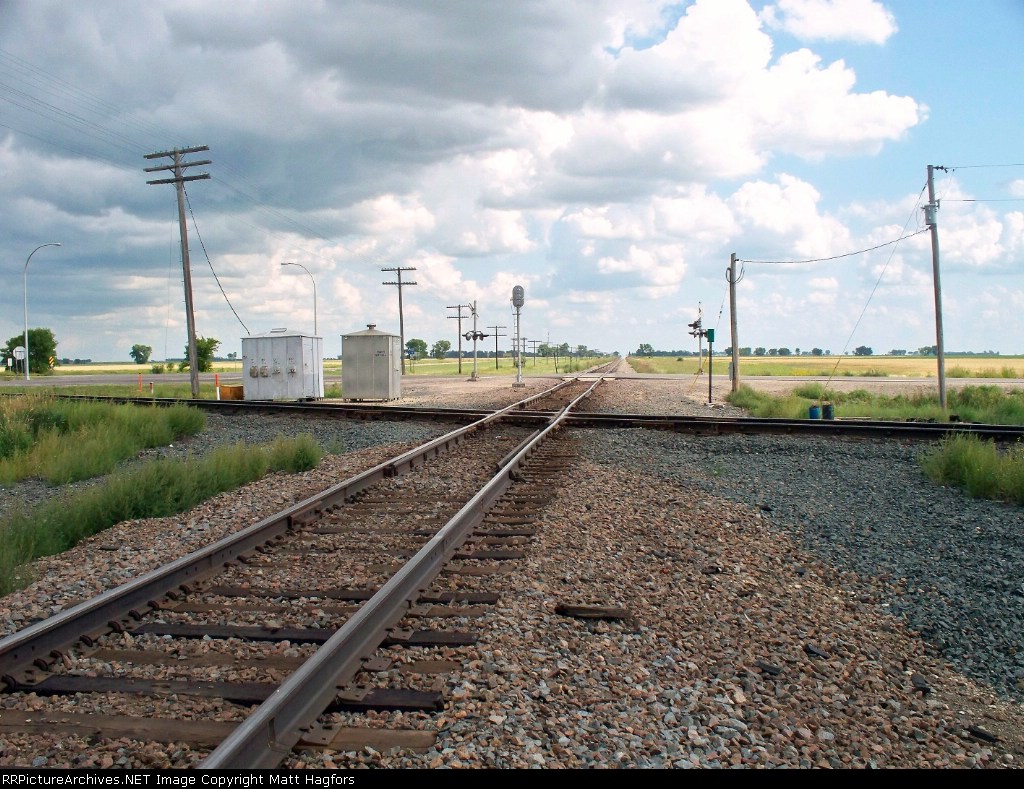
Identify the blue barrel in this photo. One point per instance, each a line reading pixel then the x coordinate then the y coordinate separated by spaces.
pixel 815 412
pixel 827 411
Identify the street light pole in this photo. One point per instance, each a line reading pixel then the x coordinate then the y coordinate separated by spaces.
pixel 25 284
pixel 315 333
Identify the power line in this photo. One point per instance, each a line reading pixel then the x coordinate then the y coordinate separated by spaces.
pixel 834 257
pixel 878 282
pixel 210 262
pixel 975 166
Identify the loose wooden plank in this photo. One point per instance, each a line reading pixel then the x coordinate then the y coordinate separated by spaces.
pixel 591 611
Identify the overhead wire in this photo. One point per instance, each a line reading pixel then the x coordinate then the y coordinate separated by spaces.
pixel 834 257
pixel 210 262
pixel 878 281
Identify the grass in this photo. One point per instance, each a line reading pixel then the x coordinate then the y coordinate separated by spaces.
pixel 985 404
pixel 64 441
pixel 978 466
pixel 158 489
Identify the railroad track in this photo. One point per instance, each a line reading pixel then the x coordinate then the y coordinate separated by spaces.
pixel 236 652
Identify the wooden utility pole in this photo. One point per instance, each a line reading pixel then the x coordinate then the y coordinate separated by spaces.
pixel 730 274
pixel 535 343
pixel 178 180
pixel 401 320
pixel 496 336
pixel 458 318
pixel 930 211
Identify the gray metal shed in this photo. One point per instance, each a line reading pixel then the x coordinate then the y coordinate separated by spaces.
pixel 282 365
pixel 371 365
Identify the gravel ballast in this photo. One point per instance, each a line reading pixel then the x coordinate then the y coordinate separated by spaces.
pixel 793 603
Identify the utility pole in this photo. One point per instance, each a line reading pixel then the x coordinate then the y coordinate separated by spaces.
pixel 401 320
pixel 496 336
pixel 458 318
pixel 930 211
pixel 730 275
pixel 179 181
pixel 535 343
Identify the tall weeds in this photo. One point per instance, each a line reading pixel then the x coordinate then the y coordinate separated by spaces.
pixel 158 489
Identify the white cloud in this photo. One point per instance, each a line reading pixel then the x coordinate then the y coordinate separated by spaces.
pixel 862 21
pixel 786 215
pixel 799 107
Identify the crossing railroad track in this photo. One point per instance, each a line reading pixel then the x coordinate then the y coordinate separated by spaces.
pixel 236 651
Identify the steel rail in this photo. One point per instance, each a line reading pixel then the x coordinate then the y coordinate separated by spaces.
pixel 839 427
pixel 113 608
pixel 267 736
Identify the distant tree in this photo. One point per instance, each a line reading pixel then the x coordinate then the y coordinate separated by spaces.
pixel 141 353
pixel 417 347
pixel 773 351
pixel 929 350
pixel 440 349
pixel 785 352
pixel 745 350
pixel 233 355
pixel 897 352
pixel 862 350
pixel 817 352
pixel 42 346
pixel 759 352
pixel 796 351
pixel 206 347
pixel 645 349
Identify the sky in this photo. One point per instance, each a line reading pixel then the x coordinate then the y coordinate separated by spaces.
pixel 609 156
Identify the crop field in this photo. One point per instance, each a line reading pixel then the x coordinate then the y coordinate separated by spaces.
pixel 842 366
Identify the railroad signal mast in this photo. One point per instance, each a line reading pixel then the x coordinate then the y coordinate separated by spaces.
pixel 518 300
pixel 695 331
pixel 474 335
pixel 700 333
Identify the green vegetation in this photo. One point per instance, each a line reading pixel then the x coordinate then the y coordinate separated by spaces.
pixel 42 347
pixel 157 489
pixel 982 404
pixel 64 441
pixel 206 347
pixel 977 466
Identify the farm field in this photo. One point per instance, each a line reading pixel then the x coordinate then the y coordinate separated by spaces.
pixel 841 366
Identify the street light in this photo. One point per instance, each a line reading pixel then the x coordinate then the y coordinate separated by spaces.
pixel 25 282
pixel 315 333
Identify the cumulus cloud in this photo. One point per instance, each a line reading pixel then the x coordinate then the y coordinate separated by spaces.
pixel 609 154
pixel 862 21
pixel 786 215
